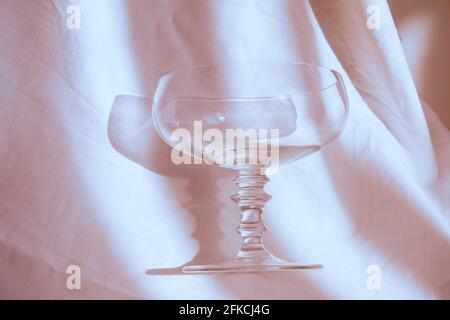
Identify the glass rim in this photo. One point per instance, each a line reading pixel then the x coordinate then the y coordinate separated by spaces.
pixel 337 77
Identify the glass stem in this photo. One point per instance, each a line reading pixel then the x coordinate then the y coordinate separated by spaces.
pixel 251 198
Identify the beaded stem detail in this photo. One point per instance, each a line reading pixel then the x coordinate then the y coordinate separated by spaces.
pixel 251 198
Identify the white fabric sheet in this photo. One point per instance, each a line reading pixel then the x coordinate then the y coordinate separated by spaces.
pixel 84 181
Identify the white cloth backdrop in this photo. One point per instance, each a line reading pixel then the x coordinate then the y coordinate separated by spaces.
pixel 84 182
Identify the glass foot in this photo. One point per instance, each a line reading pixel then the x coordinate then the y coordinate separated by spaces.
pixel 241 265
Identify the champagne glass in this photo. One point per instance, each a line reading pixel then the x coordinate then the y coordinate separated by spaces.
pixel 249 117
